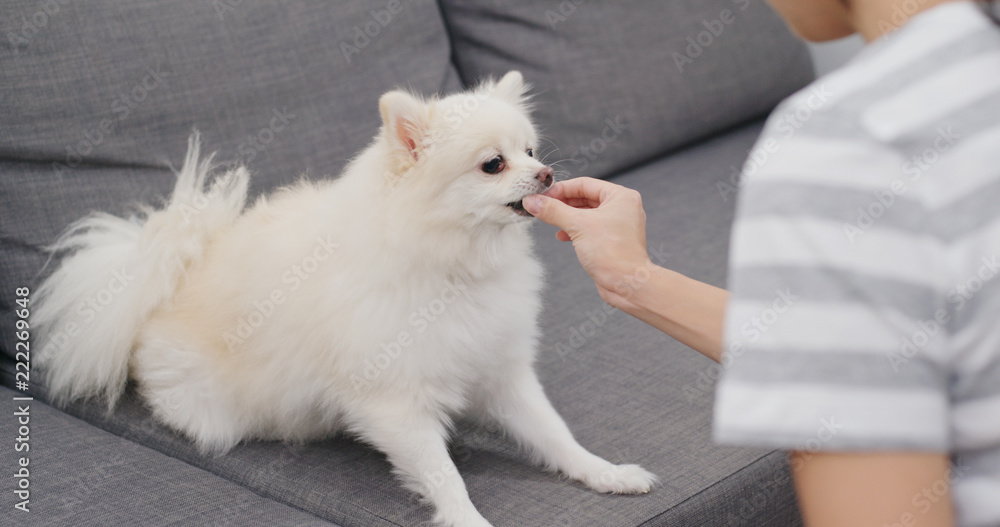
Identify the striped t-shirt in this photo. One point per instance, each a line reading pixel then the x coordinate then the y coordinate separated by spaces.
pixel 865 262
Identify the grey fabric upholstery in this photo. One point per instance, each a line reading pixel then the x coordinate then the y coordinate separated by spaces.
pixel 760 494
pixel 107 480
pixel 621 83
pixel 624 388
pixel 100 99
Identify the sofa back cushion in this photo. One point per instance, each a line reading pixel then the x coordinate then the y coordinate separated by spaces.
pixel 98 99
pixel 621 83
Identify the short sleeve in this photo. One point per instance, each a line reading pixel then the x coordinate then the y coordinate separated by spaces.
pixel 836 333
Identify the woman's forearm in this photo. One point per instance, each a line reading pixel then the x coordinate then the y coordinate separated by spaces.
pixel 688 310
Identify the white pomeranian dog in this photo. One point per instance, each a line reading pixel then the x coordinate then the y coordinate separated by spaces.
pixel 383 304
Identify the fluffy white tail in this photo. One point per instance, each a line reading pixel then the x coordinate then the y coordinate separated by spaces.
pixel 117 272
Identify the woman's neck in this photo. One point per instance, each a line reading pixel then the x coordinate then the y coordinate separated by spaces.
pixel 875 18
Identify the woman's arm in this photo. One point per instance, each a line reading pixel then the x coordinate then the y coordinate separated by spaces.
pixel 686 309
pixel 607 226
pixel 904 489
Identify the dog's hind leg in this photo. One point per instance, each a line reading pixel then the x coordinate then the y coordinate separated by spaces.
pixel 415 442
pixel 178 385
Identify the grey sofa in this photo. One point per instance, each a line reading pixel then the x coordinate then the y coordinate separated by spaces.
pixel 97 100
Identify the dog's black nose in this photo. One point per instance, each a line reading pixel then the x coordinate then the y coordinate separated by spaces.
pixel 545 176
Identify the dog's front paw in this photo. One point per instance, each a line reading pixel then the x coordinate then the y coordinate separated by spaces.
pixel 621 479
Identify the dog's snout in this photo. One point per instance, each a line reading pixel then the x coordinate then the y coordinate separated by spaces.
pixel 545 176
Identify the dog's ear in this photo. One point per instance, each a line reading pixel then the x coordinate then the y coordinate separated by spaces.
pixel 511 88
pixel 404 121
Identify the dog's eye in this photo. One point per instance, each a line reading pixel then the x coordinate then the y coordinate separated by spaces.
pixel 494 166
pixel 531 153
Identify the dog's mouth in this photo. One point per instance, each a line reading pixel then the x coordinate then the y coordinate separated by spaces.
pixel 518 208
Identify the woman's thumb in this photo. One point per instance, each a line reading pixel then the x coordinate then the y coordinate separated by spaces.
pixel 549 210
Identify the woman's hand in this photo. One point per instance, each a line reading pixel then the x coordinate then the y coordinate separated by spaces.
pixel 607 226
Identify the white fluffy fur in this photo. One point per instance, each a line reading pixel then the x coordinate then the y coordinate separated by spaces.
pixel 384 303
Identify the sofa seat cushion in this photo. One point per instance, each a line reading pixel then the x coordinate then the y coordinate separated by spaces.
pixel 83 476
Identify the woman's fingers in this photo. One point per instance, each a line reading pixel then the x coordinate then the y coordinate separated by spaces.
pixel 584 190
